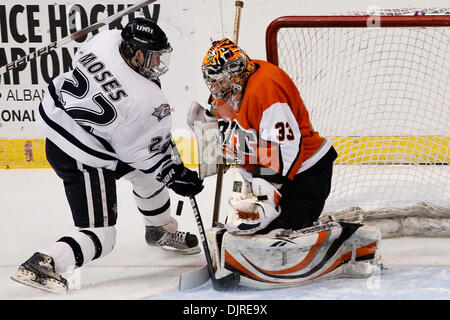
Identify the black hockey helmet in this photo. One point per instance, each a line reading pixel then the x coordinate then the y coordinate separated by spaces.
pixel 143 34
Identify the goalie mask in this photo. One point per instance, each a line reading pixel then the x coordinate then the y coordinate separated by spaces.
pixel 226 69
pixel 145 35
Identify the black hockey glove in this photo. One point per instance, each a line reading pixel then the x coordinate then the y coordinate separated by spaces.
pixel 180 179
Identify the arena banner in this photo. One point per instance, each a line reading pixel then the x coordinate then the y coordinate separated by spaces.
pixel 190 25
pixel 25 29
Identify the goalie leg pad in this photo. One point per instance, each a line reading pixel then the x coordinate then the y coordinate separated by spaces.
pixel 283 260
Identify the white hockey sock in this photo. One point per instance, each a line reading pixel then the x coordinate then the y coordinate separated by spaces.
pixel 81 247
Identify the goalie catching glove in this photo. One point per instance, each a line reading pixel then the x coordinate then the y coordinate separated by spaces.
pixel 254 211
pixel 180 179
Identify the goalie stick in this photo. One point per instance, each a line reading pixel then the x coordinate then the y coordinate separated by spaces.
pixel 189 280
pixel 220 166
pixel 230 281
pixel 25 59
pixel 196 278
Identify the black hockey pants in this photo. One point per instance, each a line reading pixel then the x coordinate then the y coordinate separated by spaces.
pixel 304 197
pixel 91 192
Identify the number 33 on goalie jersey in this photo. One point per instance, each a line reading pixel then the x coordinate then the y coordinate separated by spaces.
pixel 103 111
pixel 272 128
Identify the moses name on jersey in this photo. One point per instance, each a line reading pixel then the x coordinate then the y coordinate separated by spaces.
pixel 103 111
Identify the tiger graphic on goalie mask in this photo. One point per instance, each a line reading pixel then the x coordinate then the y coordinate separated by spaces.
pixel 226 68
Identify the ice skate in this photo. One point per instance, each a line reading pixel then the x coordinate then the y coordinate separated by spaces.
pixel 39 272
pixel 169 238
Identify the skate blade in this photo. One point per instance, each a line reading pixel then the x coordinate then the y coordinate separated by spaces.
pixel 51 285
pixel 187 251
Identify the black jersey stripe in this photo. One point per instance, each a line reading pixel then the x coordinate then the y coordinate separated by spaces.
pixel 71 138
pixel 156 166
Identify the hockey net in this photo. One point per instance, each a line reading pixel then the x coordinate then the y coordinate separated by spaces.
pixel 378 87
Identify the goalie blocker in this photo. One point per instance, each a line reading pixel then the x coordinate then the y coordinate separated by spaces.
pixel 284 258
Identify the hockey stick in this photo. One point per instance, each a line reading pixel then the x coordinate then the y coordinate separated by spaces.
pixel 33 55
pixel 196 278
pixel 230 281
pixel 220 166
pixel 237 20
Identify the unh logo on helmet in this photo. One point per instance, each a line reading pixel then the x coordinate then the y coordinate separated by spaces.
pixel 146 29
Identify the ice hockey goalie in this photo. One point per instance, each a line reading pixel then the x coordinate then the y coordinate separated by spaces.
pixel 284 258
pixel 284 178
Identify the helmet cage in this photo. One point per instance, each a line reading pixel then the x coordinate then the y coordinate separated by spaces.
pixel 225 81
pixel 156 63
pixel 145 35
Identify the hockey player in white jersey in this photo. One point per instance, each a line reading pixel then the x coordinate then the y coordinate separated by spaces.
pixel 108 119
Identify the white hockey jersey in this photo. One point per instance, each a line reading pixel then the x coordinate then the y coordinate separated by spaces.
pixel 103 111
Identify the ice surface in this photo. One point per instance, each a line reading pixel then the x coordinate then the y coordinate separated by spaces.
pixel 397 283
pixel 34 213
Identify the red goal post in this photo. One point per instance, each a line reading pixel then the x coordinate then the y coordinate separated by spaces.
pixel 379 88
pixel 345 22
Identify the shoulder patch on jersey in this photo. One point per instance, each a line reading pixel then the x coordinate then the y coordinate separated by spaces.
pixel 162 111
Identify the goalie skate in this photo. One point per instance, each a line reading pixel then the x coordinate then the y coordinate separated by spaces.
pixel 288 258
pixel 39 272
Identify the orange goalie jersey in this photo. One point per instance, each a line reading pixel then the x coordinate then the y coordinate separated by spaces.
pixel 272 129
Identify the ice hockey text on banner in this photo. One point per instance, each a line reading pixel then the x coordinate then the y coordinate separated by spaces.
pixel 33 28
pixel 25 27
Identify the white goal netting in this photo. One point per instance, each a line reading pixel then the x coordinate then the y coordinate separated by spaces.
pixel 378 87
